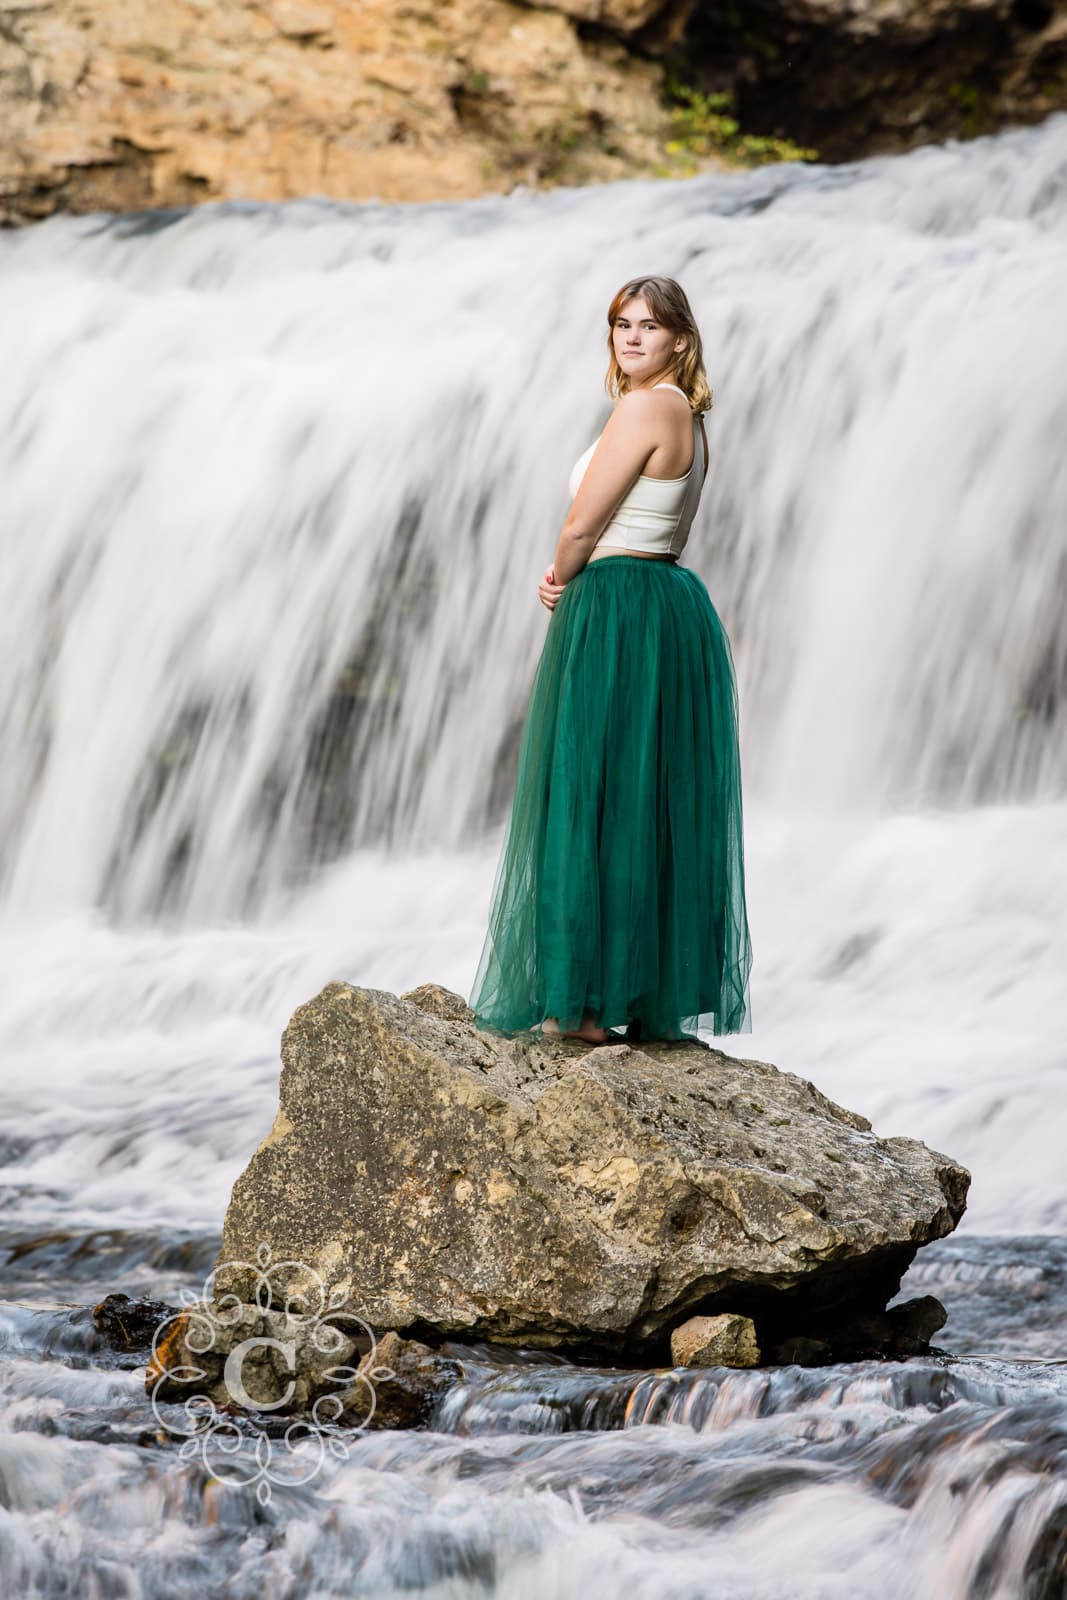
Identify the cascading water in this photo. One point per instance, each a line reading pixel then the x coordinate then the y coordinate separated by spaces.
pixel 278 486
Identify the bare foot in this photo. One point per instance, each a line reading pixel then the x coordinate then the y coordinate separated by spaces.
pixel 588 1030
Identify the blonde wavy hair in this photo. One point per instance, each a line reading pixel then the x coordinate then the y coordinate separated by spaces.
pixel 668 303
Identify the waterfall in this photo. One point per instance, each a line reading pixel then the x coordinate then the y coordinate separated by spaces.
pixel 279 483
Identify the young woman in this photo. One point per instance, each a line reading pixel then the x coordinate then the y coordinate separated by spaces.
pixel 619 897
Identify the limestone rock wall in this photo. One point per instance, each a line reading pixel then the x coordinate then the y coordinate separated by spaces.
pixel 123 104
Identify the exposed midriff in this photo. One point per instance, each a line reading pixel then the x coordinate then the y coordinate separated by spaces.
pixel 599 552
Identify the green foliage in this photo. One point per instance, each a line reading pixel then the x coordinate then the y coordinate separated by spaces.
pixel 704 125
pixel 975 113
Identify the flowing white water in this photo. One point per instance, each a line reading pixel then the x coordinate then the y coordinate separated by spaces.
pixel 278 485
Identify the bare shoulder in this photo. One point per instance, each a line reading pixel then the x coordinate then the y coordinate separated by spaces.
pixel 651 401
pixel 633 412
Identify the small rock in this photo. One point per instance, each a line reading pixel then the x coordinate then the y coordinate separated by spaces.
pixel 914 1322
pixel 398 1384
pixel 861 1334
pixel 127 1324
pixel 726 1341
pixel 438 1001
pixel 256 1359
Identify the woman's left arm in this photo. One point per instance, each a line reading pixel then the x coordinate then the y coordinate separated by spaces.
pixel 629 438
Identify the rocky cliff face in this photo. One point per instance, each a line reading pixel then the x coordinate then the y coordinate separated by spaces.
pixel 858 76
pixel 125 104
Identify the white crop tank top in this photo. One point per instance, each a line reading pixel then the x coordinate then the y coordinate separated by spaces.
pixel 657 513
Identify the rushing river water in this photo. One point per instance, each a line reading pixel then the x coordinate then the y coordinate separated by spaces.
pixel 278 484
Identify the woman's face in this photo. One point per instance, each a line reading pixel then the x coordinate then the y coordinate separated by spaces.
pixel 644 348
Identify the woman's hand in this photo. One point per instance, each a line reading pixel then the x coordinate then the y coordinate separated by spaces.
pixel 548 589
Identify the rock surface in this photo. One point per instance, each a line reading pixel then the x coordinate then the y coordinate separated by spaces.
pixel 125 104
pixel 445 1181
pixel 398 1384
pixel 128 104
pixel 858 76
pixel 129 1325
pixel 252 1360
pixel 725 1341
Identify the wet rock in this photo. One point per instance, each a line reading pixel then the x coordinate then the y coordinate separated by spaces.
pixel 398 1384
pixel 448 1182
pixel 725 1341
pixel 128 1325
pixel 904 1330
pixel 914 1323
pixel 247 1359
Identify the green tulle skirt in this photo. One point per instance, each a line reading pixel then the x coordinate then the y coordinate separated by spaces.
pixel 620 885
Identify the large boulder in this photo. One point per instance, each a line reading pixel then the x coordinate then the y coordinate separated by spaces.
pixel 445 1181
